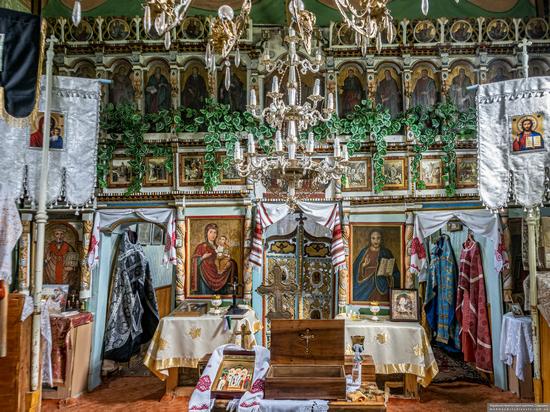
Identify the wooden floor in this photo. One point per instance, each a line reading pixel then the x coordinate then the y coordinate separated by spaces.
pixel 136 394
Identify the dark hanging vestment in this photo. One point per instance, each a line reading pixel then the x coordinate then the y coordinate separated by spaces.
pixel 20 47
pixel 471 309
pixel 133 312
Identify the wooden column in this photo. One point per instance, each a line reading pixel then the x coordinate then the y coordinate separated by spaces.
pixel 25 254
pixel 180 252
pixel 409 232
pixel 532 219
pixel 247 273
pixel 343 275
pixel 85 273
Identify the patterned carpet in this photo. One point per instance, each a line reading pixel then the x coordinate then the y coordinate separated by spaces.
pixel 453 368
pixel 143 394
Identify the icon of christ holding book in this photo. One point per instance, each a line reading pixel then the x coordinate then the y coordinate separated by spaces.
pixel 374 271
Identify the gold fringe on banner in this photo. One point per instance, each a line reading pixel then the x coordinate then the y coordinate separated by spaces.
pixel 21 122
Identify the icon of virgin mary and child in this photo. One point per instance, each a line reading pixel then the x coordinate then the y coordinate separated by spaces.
pixel 374 271
pixel 212 266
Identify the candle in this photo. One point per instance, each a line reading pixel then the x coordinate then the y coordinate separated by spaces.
pixel 251 145
pixel 317 87
pixel 252 97
pixel 337 147
pixel 237 153
pixel 330 101
pixel 275 85
pixel 292 96
pixel 310 142
pixel 291 75
pixel 345 154
pixel 292 151
pixel 278 141
pixel 291 32
pixel 266 54
pixel 292 131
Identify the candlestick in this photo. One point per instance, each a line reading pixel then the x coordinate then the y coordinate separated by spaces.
pixel 278 141
pixel 275 84
pixel 252 97
pixel 317 87
pixel 251 145
pixel 292 151
pixel 337 153
pixel 310 142
pixel 330 101
pixel 237 153
pixel 292 96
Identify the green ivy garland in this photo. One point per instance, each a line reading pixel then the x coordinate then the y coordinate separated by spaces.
pixel 125 126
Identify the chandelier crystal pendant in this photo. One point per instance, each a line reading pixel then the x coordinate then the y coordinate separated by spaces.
pixel 163 16
pixel 368 21
pixel 292 171
pixel 225 32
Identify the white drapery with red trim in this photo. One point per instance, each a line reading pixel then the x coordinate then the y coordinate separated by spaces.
pixel 105 218
pixel 481 222
pixel 324 214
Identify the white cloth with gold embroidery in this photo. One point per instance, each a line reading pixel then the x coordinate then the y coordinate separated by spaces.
pixel 395 347
pixel 183 341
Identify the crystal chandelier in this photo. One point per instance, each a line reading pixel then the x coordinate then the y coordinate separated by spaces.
pixel 164 15
pixel 368 21
pixel 225 31
pixel 292 171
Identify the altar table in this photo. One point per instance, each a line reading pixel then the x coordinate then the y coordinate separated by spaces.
pixel 183 341
pixel 396 347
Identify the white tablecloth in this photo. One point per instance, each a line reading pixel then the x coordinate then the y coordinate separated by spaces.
pixel 516 340
pixel 396 347
pixel 183 341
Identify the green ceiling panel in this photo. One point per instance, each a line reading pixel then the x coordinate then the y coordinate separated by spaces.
pixel 273 11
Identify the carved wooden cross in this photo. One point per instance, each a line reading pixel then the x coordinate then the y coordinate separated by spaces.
pixel 279 288
pixel 244 333
pixel 307 336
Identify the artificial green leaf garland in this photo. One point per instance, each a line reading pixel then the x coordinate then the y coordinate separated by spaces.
pixel 124 126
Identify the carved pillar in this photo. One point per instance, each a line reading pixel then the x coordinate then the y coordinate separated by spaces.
pixel 25 254
pixel 180 251
pixel 404 23
pixel 507 278
pixel 247 273
pixel 409 231
pixel 137 82
pixel 442 23
pixel 480 21
pixel 483 67
pixel 343 275
pixel 85 273
pixel 444 75
pixel 174 76
pixel 371 78
pixel 407 83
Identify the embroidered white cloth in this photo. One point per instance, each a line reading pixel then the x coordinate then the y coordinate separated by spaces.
pixel 516 340
pixel 395 347
pixel 10 231
pixel 46 332
pixel 324 214
pixel 513 154
pixel 200 398
pixel 73 157
pixel 183 341
pixel 268 405
pixel 481 222
pixel 105 218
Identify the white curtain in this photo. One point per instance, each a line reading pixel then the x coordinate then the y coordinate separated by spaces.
pixel 107 217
